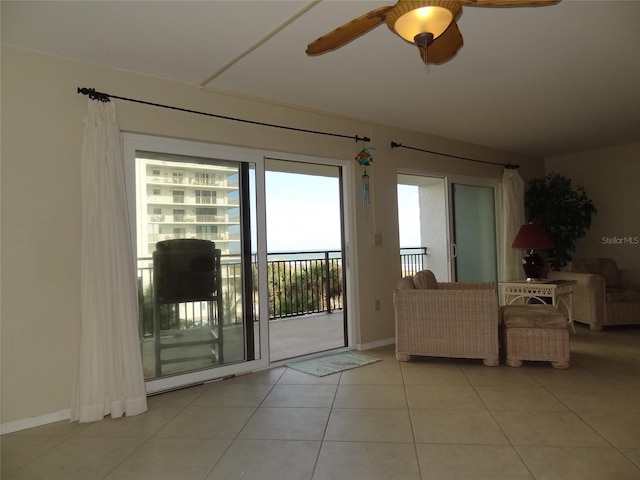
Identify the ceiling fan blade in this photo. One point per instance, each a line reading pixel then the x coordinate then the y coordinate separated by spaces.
pixel 508 3
pixel 349 31
pixel 444 47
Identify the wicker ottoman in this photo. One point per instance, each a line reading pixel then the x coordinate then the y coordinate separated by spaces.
pixel 535 332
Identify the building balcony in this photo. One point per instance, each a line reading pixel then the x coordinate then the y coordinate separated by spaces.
pixel 305 309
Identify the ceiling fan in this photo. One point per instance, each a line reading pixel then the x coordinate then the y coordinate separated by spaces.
pixel 428 24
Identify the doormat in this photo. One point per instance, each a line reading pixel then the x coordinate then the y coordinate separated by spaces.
pixel 335 363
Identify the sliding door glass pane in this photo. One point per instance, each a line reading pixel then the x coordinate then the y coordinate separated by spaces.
pixel 198 309
pixel 475 233
pixel 307 294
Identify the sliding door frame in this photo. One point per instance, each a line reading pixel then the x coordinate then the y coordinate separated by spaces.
pixel 244 156
pixel 347 206
pixel 133 142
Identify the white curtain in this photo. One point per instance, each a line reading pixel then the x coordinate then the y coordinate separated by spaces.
pixel 512 220
pixel 109 377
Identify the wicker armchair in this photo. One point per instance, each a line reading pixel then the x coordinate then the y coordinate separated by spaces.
pixel 604 295
pixel 456 320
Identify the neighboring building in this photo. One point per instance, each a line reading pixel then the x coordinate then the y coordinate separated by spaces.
pixel 186 199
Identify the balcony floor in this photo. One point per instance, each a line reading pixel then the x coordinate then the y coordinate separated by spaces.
pixel 288 338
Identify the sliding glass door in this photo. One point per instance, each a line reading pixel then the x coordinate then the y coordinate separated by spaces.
pixel 197 260
pixel 306 238
pixel 454 222
pixel 474 233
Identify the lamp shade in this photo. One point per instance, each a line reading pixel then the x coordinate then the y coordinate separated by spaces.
pixel 411 18
pixel 532 236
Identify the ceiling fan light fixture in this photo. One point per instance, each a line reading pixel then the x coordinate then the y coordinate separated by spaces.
pixel 434 20
pixel 409 19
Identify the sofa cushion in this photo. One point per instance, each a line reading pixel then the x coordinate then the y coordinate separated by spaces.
pixel 602 266
pixel 533 316
pixel 425 280
pixel 617 295
pixel 579 266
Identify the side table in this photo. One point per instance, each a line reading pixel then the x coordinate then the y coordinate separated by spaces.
pixel 523 291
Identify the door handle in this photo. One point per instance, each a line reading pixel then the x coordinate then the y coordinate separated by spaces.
pixel 454 250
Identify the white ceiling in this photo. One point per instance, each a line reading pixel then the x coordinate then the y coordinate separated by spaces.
pixel 538 81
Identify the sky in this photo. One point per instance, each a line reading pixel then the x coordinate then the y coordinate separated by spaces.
pixel 409 216
pixel 303 213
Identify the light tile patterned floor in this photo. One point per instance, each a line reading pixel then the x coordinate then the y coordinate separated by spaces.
pixel 429 419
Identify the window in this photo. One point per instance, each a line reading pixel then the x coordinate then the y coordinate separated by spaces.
pixel 207 229
pixel 153 232
pixel 204 178
pixel 178 177
pixel 205 196
pixel 156 191
pixel 178 196
pixel 179 233
pixel 204 214
pixel 157 211
pixel 178 215
pixel 208 232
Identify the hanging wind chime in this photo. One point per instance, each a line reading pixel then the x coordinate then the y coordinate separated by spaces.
pixel 365 158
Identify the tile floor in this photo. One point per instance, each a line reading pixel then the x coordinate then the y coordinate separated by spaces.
pixel 428 419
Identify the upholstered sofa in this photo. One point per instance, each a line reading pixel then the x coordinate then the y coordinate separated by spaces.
pixel 439 319
pixel 604 295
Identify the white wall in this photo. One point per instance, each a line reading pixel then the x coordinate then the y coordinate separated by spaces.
pixel 41 219
pixel 433 228
pixel 611 179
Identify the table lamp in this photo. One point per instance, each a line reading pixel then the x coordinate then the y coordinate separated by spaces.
pixel 532 236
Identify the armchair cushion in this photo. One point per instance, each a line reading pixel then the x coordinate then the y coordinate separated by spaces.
pixel 533 316
pixel 425 280
pixel 406 283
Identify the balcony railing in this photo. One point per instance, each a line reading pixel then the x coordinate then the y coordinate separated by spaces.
pixel 299 283
pixel 412 260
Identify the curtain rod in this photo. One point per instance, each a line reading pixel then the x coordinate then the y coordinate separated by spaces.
pixel 505 165
pixel 106 97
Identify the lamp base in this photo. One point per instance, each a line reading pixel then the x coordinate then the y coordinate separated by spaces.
pixel 532 263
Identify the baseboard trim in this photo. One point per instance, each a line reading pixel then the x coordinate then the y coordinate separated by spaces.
pixel 40 420
pixel 376 344
pixel 31 422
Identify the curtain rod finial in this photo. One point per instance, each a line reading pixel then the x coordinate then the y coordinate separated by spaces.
pixel 93 95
